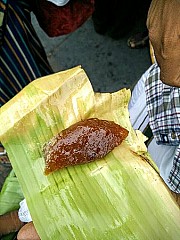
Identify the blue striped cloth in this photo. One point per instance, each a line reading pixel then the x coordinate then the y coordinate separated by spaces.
pixel 22 56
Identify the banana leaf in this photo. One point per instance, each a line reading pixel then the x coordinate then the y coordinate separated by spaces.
pixel 118 197
pixel 11 194
pixel 10 197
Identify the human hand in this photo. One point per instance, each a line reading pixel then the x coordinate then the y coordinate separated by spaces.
pixel 28 232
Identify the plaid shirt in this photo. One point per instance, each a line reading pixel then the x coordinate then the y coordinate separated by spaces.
pixel 163 104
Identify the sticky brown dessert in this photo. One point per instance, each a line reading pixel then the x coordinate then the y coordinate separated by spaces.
pixel 82 142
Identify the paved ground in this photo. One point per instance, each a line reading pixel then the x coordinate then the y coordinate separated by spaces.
pixel 110 64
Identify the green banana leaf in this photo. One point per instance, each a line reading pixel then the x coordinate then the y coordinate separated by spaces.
pixel 10 197
pixel 118 197
pixel 11 194
pixel 10 236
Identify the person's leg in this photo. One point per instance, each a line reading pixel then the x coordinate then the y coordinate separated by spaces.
pixel 141 38
pixel 22 57
pixel 114 18
pixel 101 16
pixel 123 18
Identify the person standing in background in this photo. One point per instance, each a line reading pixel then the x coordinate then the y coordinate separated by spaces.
pixel 22 56
pixel 155 101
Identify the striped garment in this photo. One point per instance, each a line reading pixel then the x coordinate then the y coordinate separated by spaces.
pixel 22 57
pixel 157 105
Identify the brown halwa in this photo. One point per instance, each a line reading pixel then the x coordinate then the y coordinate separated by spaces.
pixel 82 142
